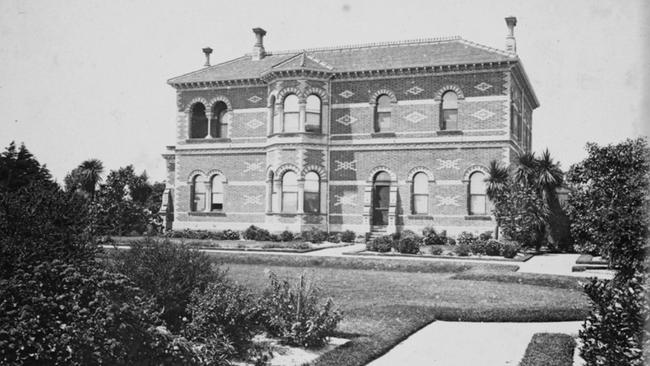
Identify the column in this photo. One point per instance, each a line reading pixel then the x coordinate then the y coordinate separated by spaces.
pixel 301 196
pixel 269 195
pixel 277 187
pixel 269 118
pixel 325 119
pixel 302 116
pixel 208 195
pixel 324 208
pixel 208 114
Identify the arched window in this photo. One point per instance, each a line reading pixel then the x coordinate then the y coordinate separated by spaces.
pixel 420 193
pixel 272 192
pixel 291 113
pixel 312 193
pixel 219 124
pixel 313 122
pixel 198 122
pixel 198 194
pixel 449 111
pixel 289 192
pixel 382 114
pixel 274 117
pixel 217 193
pixel 477 199
pixel 380 198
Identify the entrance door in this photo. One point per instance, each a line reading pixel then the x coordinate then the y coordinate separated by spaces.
pixel 380 199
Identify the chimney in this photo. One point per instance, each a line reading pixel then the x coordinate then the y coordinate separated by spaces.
pixel 511 43
pixel 258 47
pixel 207 51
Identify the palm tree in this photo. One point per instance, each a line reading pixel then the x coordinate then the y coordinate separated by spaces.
pixel 549 178
pixel 526 171
pixel 497 182
pixel 89 173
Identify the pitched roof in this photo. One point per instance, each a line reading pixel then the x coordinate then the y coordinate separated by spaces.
pixel 375 56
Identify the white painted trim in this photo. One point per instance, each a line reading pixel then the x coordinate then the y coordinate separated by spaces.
pixel 250 110
pixel 418 102
pixel 350 105
pixel 347 182
pixel 419 140
pixel 487 98
pixel 246 183
pixel 449 182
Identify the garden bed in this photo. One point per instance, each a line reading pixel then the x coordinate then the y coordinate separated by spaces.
pixel 521 257
pixel 589 259
pixel 549 349
pixel 238 245
pixel 283 355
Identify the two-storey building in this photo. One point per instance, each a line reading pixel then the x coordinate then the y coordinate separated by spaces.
pixel 384 136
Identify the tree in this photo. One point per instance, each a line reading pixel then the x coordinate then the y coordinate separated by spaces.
pixel 497 183
pixel 18 168
pixel 85 178
pixel 549 177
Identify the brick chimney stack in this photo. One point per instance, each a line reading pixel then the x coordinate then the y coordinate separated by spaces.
pixel 207 51
pixel 258 47
pixel 511 43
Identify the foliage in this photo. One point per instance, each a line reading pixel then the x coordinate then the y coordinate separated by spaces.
pixel 60 313
pixel 348 236
pixel 614 333
pixel 382 244
pixel 286 235
pixel 485 236
pixel 609 203
pixel 19 168
pixel 431 237
pixel 522 215
pixel 169 273
pixel 466 238
pixel 451 241
pixel 493 247
pixel 509 249
pixel 549 349
pixel 85 178
pixel 256 233
pixel 436 250
pixel 409 245
pixel 295 313
pixel 334 237
pixel 462 250
pixel 314 235
pixel 477 247
pixel 227 312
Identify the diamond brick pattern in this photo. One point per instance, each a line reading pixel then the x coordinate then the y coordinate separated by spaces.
pixel 254 124
pixel 448 164
pixel 415 117
pixel 346 120
pixel 253 199
pixel 346 94
pixel 254 99
pixel 483 86
pixel 415 90
pixel 483 114
pixel 345 199
pixel 345 165
pixel 448 201
pixel 253 167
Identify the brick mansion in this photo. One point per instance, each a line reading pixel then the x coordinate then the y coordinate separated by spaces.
pixel 374 137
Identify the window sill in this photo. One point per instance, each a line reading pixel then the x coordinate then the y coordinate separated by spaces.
pixel 420 217
pixel 293 214
pixel 382 134
pixel 450 132
pixel 204 140
pixel 295 134
pixel 479 217
pixel 212 213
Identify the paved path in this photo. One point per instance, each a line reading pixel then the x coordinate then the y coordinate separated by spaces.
pixel 463 343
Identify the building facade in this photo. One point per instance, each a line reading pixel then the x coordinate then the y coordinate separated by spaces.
pixel 378 137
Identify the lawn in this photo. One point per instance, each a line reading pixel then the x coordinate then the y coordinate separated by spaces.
pixel 382 307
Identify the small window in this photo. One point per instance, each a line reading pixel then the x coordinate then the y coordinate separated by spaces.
pixel 449 111
pixel 291 114
pixel 313 109
pixel 312 193
pixel 219 123
pixel 420 194
pixel 198 122
pixel 477 198
pixel 289 192
pixel 198 193
pixel 382 114
pixel 217 193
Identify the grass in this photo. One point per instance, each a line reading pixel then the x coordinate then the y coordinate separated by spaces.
pixel 383 307
pixel 565 282
pixel 549 349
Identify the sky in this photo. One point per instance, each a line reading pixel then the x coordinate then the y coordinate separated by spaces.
pixel 83 79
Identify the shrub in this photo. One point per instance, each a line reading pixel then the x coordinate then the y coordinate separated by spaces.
pixel 295 313
pixel 255 233
pixel 230 235
pixel 227 311
pixel 169 273
pixel 334 238
pixel 314 235
pixel 613 333
pixel 451 241
pixel 509 249
pixel 436 250
pixel 53 313
pixel 462 250
pixel 433 238
pixel 286 235
pixel 382 244
pixel 348 236
pixel 465 238
pixel 494 248
pixel 485 236
pixel 478 247
pixel 408 245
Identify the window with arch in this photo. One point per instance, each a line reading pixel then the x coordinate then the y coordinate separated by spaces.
pixel 219 124
pixel 420 194
pixel 382 113
pixel 478 201
pixel 217 193
pixel 312 193
pixel 291 114
pixel 274 117
pixel 290 192
pixel 449 111
pixel 272 192
pixel 198 122
pixel 198 193
pixel 313 109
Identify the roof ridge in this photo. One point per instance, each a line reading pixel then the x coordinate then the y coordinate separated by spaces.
pixel 369 45
pixel 286 61
pixel 488 48
pixel 205 68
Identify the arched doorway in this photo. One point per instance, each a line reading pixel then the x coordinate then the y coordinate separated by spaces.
pixel 380 199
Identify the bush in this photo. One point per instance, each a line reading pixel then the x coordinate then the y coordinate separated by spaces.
pixel 203 234
pixel 478 247
pixel 334 238
pixel 509 250
pixel 614 333
pixel 462 250
pixel 286 235
pixel 230 235
pixel 465 238
pixel 314 235
pixel 53 313
pixel 169 273
pixel 382 244
pixel 255 233
pixel 485 236
pixel 433 238
pixel 408 245
pixel 451 241
pixel 436 250
pixel 494 248
pixel 227 311
pixel 294 313
pixel 348 236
